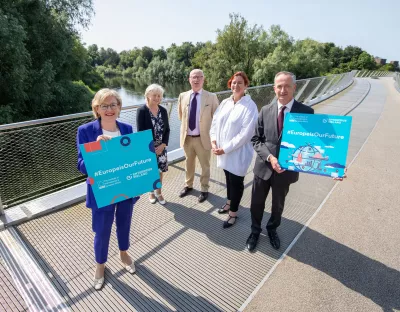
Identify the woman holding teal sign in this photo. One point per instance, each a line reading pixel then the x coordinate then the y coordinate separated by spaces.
pixel 154 117
pixel 106 106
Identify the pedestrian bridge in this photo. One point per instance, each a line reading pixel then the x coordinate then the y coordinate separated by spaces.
pixel 339 240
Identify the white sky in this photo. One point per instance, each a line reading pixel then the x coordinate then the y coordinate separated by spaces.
pixel 123 24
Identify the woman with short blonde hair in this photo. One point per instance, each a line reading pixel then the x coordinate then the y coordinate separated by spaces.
pixel 99 98
pixel 106 106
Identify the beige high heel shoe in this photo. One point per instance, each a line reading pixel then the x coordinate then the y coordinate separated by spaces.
pixel 152 200
pixel 162 202
pixel 130 268
pixel 98 283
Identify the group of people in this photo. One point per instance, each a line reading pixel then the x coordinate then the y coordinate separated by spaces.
pixel 232 131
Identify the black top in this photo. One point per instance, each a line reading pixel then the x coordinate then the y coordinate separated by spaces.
pixel 143 121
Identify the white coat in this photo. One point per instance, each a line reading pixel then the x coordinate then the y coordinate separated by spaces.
pixel 232 128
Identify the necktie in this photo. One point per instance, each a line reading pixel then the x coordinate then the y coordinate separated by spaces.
pixel 193 111
pixel 281 117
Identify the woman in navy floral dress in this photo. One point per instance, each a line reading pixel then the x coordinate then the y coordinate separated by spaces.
pixel 155 117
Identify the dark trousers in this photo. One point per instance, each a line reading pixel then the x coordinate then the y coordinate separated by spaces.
pixel 234 189
pixel 259 195
pixel 102 221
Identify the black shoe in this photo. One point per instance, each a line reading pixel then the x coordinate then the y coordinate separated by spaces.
pixel 229 224
pixel 274 239
pixel 185 191
pixel 203 196
pixel 252 241
pixel 223 210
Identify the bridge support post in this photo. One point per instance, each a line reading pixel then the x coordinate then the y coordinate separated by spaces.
pixel 1 208
pixel 327 86
pixel 310 97
pixel 298 95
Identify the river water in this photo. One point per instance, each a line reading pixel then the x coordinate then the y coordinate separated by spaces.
pixel 132 92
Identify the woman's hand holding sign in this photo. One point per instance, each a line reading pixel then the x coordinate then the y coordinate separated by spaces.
pixel 103 137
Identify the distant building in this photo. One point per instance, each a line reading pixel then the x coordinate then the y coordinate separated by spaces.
pixel 395 64
pixel 380 61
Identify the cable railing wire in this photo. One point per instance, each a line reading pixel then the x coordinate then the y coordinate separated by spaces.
pixel 38 157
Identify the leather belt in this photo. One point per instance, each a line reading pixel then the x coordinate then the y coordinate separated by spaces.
pixel 194 136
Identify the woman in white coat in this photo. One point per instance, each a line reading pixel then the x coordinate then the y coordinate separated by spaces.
pixel 231 131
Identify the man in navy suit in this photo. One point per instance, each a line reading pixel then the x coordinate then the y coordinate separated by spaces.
pixel 267 172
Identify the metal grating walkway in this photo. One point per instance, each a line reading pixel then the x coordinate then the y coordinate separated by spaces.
pixel 185 260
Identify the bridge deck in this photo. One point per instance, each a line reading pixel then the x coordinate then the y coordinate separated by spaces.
pixel 185 260
pixel 348 258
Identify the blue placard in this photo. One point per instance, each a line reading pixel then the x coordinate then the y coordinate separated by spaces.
pixel 121 168
pixel 315 144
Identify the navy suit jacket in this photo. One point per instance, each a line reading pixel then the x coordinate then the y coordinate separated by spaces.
pixel 89 133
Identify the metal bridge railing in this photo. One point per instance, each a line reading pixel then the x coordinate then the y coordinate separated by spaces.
pixel 39 157
pixel 373 73
pixel 397 81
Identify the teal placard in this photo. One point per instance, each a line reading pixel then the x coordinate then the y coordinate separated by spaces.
pixel 121 168
pixel 315 143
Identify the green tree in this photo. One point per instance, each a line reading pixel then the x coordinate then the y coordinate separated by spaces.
pixel 203 55
pixel 183 53
pixel 278 60
pixel 127 58
pixel 237 47
pixel 140 62
pixel 15 62
pixel 74 13
pixel 273 38
pixel 333 53
pixel 305 58
pixel 112 58
pixel 308 59
pixel 93 52
pixel 40 54
pixel 147 54
pixel 164 70
pixel 366 61
pixel 238 43
pixel 160 53
pixel 387 67
pixel 351 53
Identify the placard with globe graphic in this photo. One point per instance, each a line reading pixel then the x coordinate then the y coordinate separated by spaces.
pixel 121 168
pixel 315 143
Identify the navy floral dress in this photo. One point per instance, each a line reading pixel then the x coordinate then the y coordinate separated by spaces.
pixel 158 126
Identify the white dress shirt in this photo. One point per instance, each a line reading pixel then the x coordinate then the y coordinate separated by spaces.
pixel 288 107
pixel 232 128
pixel 112 134
pixel 195 131
pixel 287 110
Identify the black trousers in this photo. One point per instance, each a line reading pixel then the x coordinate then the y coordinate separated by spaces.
pixel 259 195
pixel 234 189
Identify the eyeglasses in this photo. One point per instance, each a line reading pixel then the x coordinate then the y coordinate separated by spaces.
pixel 113 106
pixel 196 77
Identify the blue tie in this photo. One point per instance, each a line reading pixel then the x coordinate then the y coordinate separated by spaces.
pixel 193 111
